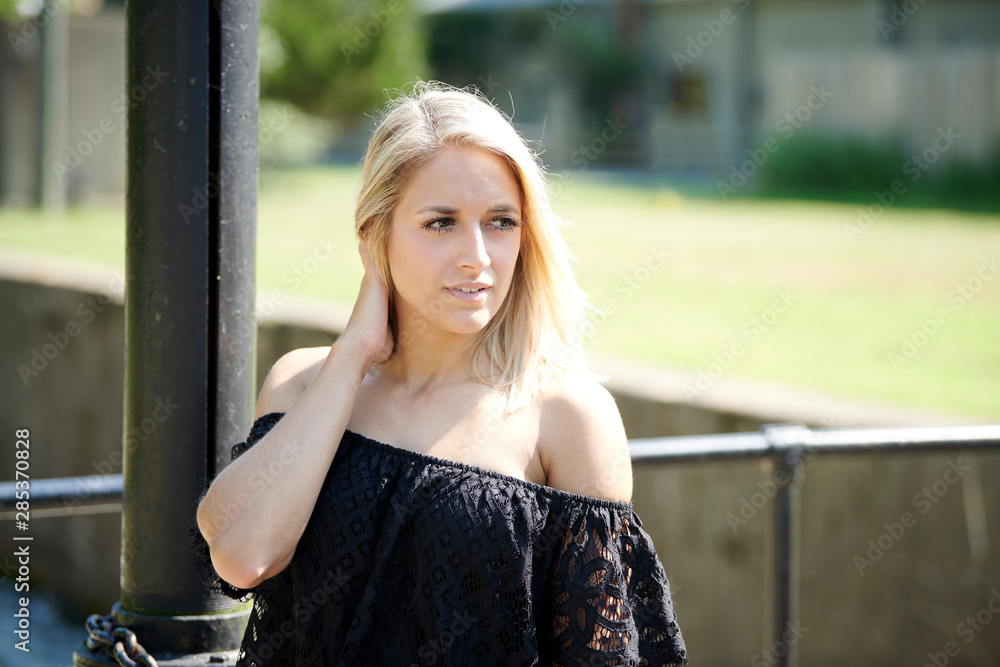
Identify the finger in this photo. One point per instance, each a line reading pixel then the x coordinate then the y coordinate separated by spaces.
pixel 370 269
pixel 366 259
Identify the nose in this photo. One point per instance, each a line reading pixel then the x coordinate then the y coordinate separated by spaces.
pixel 472 252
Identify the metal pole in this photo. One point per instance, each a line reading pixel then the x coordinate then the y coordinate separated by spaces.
pixel 189 304
pixel 235 154
pixel 53 126
pixel 787 441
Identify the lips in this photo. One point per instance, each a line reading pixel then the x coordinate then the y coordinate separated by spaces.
pixel 470 292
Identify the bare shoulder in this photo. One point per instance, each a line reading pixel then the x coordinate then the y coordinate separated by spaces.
pixel 582 441
pixel 288 378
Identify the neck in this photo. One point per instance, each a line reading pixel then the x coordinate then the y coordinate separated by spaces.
pixel 427 357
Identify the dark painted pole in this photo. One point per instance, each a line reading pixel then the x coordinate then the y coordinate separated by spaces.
pixel 787 442
pixel 192 85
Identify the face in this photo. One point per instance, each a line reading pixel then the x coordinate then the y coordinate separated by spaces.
pixel 454 241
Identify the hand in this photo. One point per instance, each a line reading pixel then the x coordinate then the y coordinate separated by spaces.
pixel 368 327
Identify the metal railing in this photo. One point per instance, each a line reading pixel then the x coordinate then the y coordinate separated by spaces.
pixel 787 445
pixel 64 496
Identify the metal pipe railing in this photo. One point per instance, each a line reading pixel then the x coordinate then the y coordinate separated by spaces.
pixel 788 445
pixel 868 440
pixel 64 496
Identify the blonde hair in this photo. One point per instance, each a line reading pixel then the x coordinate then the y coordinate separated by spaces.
pixel 541 324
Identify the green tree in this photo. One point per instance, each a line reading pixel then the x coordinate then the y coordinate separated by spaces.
pixel 333 58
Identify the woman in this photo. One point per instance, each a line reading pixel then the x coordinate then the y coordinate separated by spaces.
pixel 443 484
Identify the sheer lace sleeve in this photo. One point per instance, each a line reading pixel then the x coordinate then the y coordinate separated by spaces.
pixel 197 541
pixel 608 597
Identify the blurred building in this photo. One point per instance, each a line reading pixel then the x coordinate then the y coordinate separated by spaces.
pixel 719 77
pixel 92 163
pixel 711 81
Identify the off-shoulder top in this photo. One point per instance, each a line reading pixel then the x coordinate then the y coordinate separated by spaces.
pixel 410 559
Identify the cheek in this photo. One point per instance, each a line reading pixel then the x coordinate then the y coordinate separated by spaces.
pixel 507 252
pixel 411 266
pixel 399 256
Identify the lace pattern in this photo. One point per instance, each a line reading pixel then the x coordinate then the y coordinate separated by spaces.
pixel 412 560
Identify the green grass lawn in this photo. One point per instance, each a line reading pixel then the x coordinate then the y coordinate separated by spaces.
pixel 848 303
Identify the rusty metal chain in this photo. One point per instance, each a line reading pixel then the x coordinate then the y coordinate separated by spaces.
pixel 117 642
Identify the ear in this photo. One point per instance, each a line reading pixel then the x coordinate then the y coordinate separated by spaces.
pixel 364 231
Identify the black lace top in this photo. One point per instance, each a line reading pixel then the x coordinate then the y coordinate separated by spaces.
pixel 409 559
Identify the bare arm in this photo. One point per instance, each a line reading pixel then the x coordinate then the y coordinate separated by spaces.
pixel 257 508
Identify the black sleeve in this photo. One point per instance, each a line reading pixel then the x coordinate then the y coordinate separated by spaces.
pixel 609 598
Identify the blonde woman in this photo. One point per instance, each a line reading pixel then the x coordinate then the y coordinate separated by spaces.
pixel 444 484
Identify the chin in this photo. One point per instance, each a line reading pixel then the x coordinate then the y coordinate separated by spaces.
pixel 465 320
pixel 469 325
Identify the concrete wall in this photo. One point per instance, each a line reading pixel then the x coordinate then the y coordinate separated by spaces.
pixel 711 523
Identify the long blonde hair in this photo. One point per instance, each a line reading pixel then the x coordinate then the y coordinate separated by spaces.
pixel 542 323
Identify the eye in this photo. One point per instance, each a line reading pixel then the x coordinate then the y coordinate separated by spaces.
pixel 505 223
pixel 439 224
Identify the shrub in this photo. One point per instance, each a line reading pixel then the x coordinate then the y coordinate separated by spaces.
pixel 853 169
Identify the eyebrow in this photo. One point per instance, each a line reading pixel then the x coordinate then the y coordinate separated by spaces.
pixel 499 207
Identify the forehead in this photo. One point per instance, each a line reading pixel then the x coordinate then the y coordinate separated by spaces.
pixel 462 178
